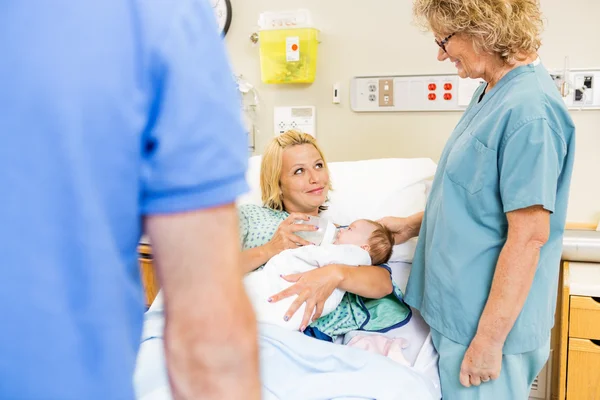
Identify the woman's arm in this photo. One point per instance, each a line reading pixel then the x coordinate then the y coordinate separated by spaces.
pixel 528 231
pixel 368 281
pixel 254 258
pixel 314 287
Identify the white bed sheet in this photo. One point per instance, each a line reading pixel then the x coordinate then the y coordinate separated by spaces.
pixel 420 353
pixel 417 330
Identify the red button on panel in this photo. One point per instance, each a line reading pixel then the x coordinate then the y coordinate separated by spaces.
pixel 432 86
pixel 447 86
pixel 431 96
pixel 447 96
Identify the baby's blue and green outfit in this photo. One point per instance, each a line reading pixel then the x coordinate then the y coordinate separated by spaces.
pixel 511 150
pixel 257 227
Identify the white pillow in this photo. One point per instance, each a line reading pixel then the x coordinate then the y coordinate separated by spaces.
pixel 404 252
pixel 374 189
pixel 370 189
pixel 377 188
pixel 253 180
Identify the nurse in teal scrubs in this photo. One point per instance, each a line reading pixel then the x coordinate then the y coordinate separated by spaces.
pixel 485 271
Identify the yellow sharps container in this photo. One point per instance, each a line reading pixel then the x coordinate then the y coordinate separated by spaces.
pixel 288 47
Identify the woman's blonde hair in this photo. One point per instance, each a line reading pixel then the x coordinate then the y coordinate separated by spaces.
pixel 509 28
pixel 271 166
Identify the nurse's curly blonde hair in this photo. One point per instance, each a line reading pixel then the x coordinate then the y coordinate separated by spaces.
pixel 509 28
pixel 271 165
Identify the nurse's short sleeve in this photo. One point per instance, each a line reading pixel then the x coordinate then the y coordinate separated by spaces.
pixel 195 147
pixel 530 161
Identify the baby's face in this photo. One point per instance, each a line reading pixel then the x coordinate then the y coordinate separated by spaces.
pixel 358 233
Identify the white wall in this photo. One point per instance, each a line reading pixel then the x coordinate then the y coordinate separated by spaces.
pixel 378 38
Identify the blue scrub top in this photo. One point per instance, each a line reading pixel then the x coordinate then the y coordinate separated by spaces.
pixel 512 150
pixel 111 110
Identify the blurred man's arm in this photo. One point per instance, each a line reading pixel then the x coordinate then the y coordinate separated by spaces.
pixel 210 331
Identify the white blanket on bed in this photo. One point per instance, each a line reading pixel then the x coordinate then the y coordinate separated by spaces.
pixel 296 367
pixel 354 372
pixel 266 282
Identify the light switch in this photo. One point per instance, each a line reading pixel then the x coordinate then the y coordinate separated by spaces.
pixel 336 93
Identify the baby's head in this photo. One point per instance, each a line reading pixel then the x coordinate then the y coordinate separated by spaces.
pixel 371 236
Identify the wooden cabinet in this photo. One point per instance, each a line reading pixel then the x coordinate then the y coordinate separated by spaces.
pixel 583 372
pixel 584 317
pixel 579 361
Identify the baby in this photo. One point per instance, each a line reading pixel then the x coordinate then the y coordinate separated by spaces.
pixel 363 242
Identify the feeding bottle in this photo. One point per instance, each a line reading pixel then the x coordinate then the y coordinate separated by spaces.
pixel 326 234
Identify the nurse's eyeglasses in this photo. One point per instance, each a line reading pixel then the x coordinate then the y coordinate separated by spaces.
pixel 444 42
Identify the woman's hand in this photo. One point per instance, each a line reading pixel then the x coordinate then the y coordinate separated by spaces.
pixel 482 362
pixel 313 288
pixel 285 237
pixel 403 228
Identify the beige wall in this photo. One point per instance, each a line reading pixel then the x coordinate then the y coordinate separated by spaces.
pixel 377 37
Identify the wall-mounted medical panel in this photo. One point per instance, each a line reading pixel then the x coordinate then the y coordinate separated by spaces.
pixel 295 118
pixel 411 93
pixel 580 90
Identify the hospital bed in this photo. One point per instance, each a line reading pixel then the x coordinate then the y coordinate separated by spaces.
pixel 362 189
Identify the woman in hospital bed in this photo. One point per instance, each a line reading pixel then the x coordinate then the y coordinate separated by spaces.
pixel 294 181
pixel 363 242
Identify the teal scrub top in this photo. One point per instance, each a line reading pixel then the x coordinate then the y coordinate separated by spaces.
pixel 511 150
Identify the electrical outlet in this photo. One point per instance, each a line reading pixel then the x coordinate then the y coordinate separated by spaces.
pixel 408 93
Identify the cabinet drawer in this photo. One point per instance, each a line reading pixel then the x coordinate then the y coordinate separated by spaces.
pixel 584 317
pixel 583 376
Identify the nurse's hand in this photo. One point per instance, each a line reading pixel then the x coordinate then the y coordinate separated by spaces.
pixel 313 288
pixel 403 228
pixel 482 362
pixel 285 236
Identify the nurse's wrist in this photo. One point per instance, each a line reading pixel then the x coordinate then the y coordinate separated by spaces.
pixel 414 224
pixel 490 336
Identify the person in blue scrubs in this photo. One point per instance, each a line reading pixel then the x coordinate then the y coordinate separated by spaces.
pixel 117 114
pixel 485 271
